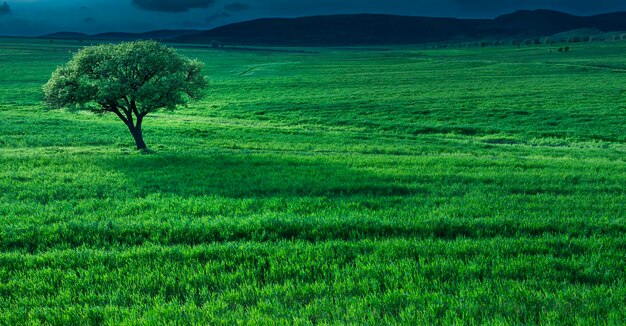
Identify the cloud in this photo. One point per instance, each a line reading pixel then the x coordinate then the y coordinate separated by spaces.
pixel 209 20
pixel 172 5
pixel 236 6
pixel 213 18
pixel 89 20
pixel 5 9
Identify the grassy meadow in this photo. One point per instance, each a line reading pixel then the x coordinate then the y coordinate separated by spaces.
pixel 394 185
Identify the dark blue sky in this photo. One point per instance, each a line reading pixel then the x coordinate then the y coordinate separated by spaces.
pixel 35 17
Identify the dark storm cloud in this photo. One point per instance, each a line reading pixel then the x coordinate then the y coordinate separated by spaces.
pixel 172 5
pixel 236 6
pixel 5 9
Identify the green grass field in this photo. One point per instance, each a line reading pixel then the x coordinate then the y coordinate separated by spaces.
pixel 343 186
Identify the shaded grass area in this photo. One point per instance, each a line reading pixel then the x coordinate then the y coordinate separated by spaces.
pixel 298 282
pixel 395 186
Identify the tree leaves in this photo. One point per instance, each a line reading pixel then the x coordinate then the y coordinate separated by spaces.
pixel 134 77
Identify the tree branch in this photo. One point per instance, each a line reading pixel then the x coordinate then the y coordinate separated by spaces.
pixel 127 101
pixel 133 106
pixel 125 114
pixel 119 114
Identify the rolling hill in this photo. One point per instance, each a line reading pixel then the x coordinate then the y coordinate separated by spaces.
pixel 164 34
pixel 342 30
pixel 372 29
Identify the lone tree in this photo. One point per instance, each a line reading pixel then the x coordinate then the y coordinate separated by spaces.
pixel 129 80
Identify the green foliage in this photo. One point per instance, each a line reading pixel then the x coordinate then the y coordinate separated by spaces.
pixel 103 77
pixel 129 79
pixel 370 186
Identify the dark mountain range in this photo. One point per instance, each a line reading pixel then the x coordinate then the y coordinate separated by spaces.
pixel 66 36
pixel 547 22
pixel 342 30
pixel 115 36
pixel 364 29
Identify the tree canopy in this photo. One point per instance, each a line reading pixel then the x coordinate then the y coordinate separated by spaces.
pixel 129 80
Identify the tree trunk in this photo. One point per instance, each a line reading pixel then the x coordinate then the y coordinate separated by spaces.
pixel 138 135
pixel 141 145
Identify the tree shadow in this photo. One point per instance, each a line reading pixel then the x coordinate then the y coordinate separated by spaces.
pixel 250 175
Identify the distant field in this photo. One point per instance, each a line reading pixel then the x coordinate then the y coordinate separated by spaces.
pixel 369 186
